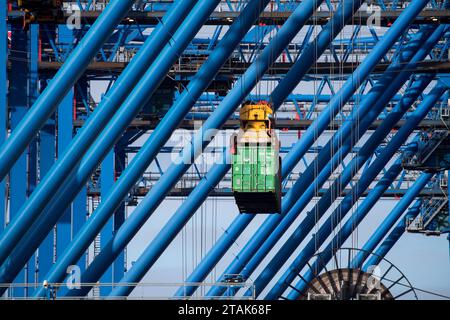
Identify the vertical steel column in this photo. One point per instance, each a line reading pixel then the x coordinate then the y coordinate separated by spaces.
pixel 119 215
pixel 240 90
pixel 391 219
pixel 47 156
pixel 18 102
pixel 64 79
pixel 79 205
pixel 106 183
pixel 393 237
pixel 51 185
pixel 33 148
pixel 3 104
pixel 64 134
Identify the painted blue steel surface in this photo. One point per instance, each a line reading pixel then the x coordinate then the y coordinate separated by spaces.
pixel 163 239
pixel 318 126
pixel 363 155
pixel 18 102
pixel 3 105
pixel 240 90
pixel 131 106
pixel 168 233
pixel 65 78
pixel 340 237
pixel 303 64
pixel 43 108
pixel 393 236
pixel 64 129
pixel 84 139
pixel 307 224
pixel 391 219
pixel 52 204
pixel 106 183
pixel 47 154
pixel 33 147
pixel 363 184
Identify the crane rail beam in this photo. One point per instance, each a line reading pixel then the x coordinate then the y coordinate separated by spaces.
pixel 428 16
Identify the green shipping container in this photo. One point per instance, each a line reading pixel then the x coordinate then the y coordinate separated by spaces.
pixel 255 169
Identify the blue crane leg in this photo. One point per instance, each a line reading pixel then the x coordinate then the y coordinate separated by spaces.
pixel 391 219
pixel 171 229
pixel 393 237
pixel 189 208
pixel 240 90
pixel 52 182
pixel 64 79
pixel 140 95
pixel 3 100
pixel 162 133
pixel 367 108
pixel 375 168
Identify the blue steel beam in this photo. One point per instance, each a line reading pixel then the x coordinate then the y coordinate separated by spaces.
pixel 342 235
pixel 173 227
pixel 138 98
pixel 189 207
pixel 106 183
pixel 64 79
pixel 240 90
pixel 366 108
pixel 3 101
pixel 390 220
pixel 299 148
pixel 33 148
pixel 51 184
pixel 18 103
pixel 394 236
pixel 365 181
pixel 288 163
pixel 363 155
pixel 162 133
pixel 64 136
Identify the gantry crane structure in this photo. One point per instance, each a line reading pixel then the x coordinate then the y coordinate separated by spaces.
pixel 92 91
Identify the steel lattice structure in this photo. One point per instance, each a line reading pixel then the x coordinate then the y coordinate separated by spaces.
pixel 112 109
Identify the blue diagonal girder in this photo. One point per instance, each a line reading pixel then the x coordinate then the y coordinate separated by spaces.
pixel 65 165
pixel 241 89
pixel 141 93
pixel 161 134
pixel 299 149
